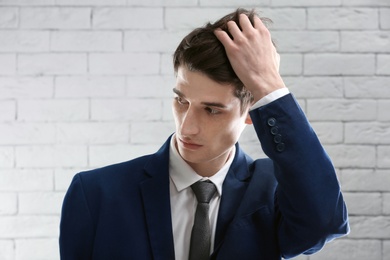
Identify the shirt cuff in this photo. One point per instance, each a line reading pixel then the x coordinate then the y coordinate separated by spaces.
pixel 270 98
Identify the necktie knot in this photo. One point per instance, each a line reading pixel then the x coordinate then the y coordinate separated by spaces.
pixel 204 191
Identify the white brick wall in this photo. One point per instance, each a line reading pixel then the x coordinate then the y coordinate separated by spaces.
pixel 84 83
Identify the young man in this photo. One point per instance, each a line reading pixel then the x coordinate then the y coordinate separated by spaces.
pixel 282 206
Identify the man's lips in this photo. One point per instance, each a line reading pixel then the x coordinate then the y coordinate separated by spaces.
pixel 189 145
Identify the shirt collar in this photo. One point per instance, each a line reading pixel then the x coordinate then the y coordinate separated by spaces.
pixel 183 176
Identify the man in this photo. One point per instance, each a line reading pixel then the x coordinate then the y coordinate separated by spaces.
pixel 146 208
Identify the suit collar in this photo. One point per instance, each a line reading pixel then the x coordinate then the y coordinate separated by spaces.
pixel 234 188
pixel 156 200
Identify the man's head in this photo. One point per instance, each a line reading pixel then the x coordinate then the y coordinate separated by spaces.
pixel 201 51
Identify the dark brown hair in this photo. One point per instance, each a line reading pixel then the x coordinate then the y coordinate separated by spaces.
pixel 201 51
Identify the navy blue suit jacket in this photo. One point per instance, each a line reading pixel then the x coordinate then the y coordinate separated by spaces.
pixel 285 205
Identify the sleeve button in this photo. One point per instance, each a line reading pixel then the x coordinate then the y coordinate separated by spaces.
pixel 271 121
pixel 278 138
pixel 280 147
pixel 274 130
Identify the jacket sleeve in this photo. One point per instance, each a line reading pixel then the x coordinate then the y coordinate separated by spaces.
pixel 308 200
pixel 76 227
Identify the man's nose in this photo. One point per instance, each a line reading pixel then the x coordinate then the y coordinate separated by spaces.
pixel 191 123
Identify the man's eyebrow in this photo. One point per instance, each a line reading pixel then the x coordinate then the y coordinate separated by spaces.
pixel 209 104
pixel 214 104
pixel 177 92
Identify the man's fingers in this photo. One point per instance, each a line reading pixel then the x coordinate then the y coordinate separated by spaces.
pixel 245 23
pixel 234 30
pixel 258 23
pixel 223 37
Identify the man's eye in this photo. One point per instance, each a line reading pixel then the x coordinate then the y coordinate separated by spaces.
pixel 180 100
pixel 212 111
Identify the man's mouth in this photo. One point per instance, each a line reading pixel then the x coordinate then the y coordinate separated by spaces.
pixel 189 145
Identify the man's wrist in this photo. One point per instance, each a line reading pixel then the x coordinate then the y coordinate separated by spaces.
pixel 274 95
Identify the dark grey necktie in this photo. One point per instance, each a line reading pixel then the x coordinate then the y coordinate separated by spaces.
pixel 201 232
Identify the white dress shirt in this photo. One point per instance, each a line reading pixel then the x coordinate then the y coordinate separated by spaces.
pixel 183 200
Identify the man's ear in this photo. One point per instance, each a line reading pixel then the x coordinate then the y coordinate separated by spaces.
pixel 248 119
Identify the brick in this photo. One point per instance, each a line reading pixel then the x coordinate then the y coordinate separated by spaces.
pixel 305 3
pixel 7 249
pixel 33 180
pixel 339 64
pixel 87 41
pixel 109 154
pixel 346 249
pixel 383 64
pixel 367 87
pixel 9 17
pixel 167 110
pixel 150 86
pixel 153 41
pixel 63 177
pixel 306 41
pixel 329 132
pixel 179 18
pixel 386 249
pixel 16 133
pixel 365 180
pixel 384 18
pixel 383 156
pixel 291 64
pixel 40 203
pixel 341 109
pixel 55 18
pixel 232 3
pixel 89 86
pixel 315 87
pixel 91 2
pixel 28 226
pixel 343 18
pixel 285 18
pixel 43 248
pixel 27 2
pixel 51 156
pixel 366 3
pixel 53 110
pixel 26 87
pixel 52 64
pixel 166 65
pixel 377 227
pixel 383 110
pixel 151 132
pixel 24 41
pixel 7 110
pixel 163 3
pixel 356 156
pixel 357 41
pixel 92 133
pixel 7 158
pixel 127 18
pixel 8 203
pixel 367 133
pixel 386 203
pixel 363 203
pixel 124 64
pixel 7 64
pixel 125 109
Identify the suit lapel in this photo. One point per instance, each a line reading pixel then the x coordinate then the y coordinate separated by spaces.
pixel 156 200
pixel 233 189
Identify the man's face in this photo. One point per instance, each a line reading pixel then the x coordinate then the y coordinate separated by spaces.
pixel 208 119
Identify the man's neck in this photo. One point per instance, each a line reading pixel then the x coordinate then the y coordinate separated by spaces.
pixel 208 169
